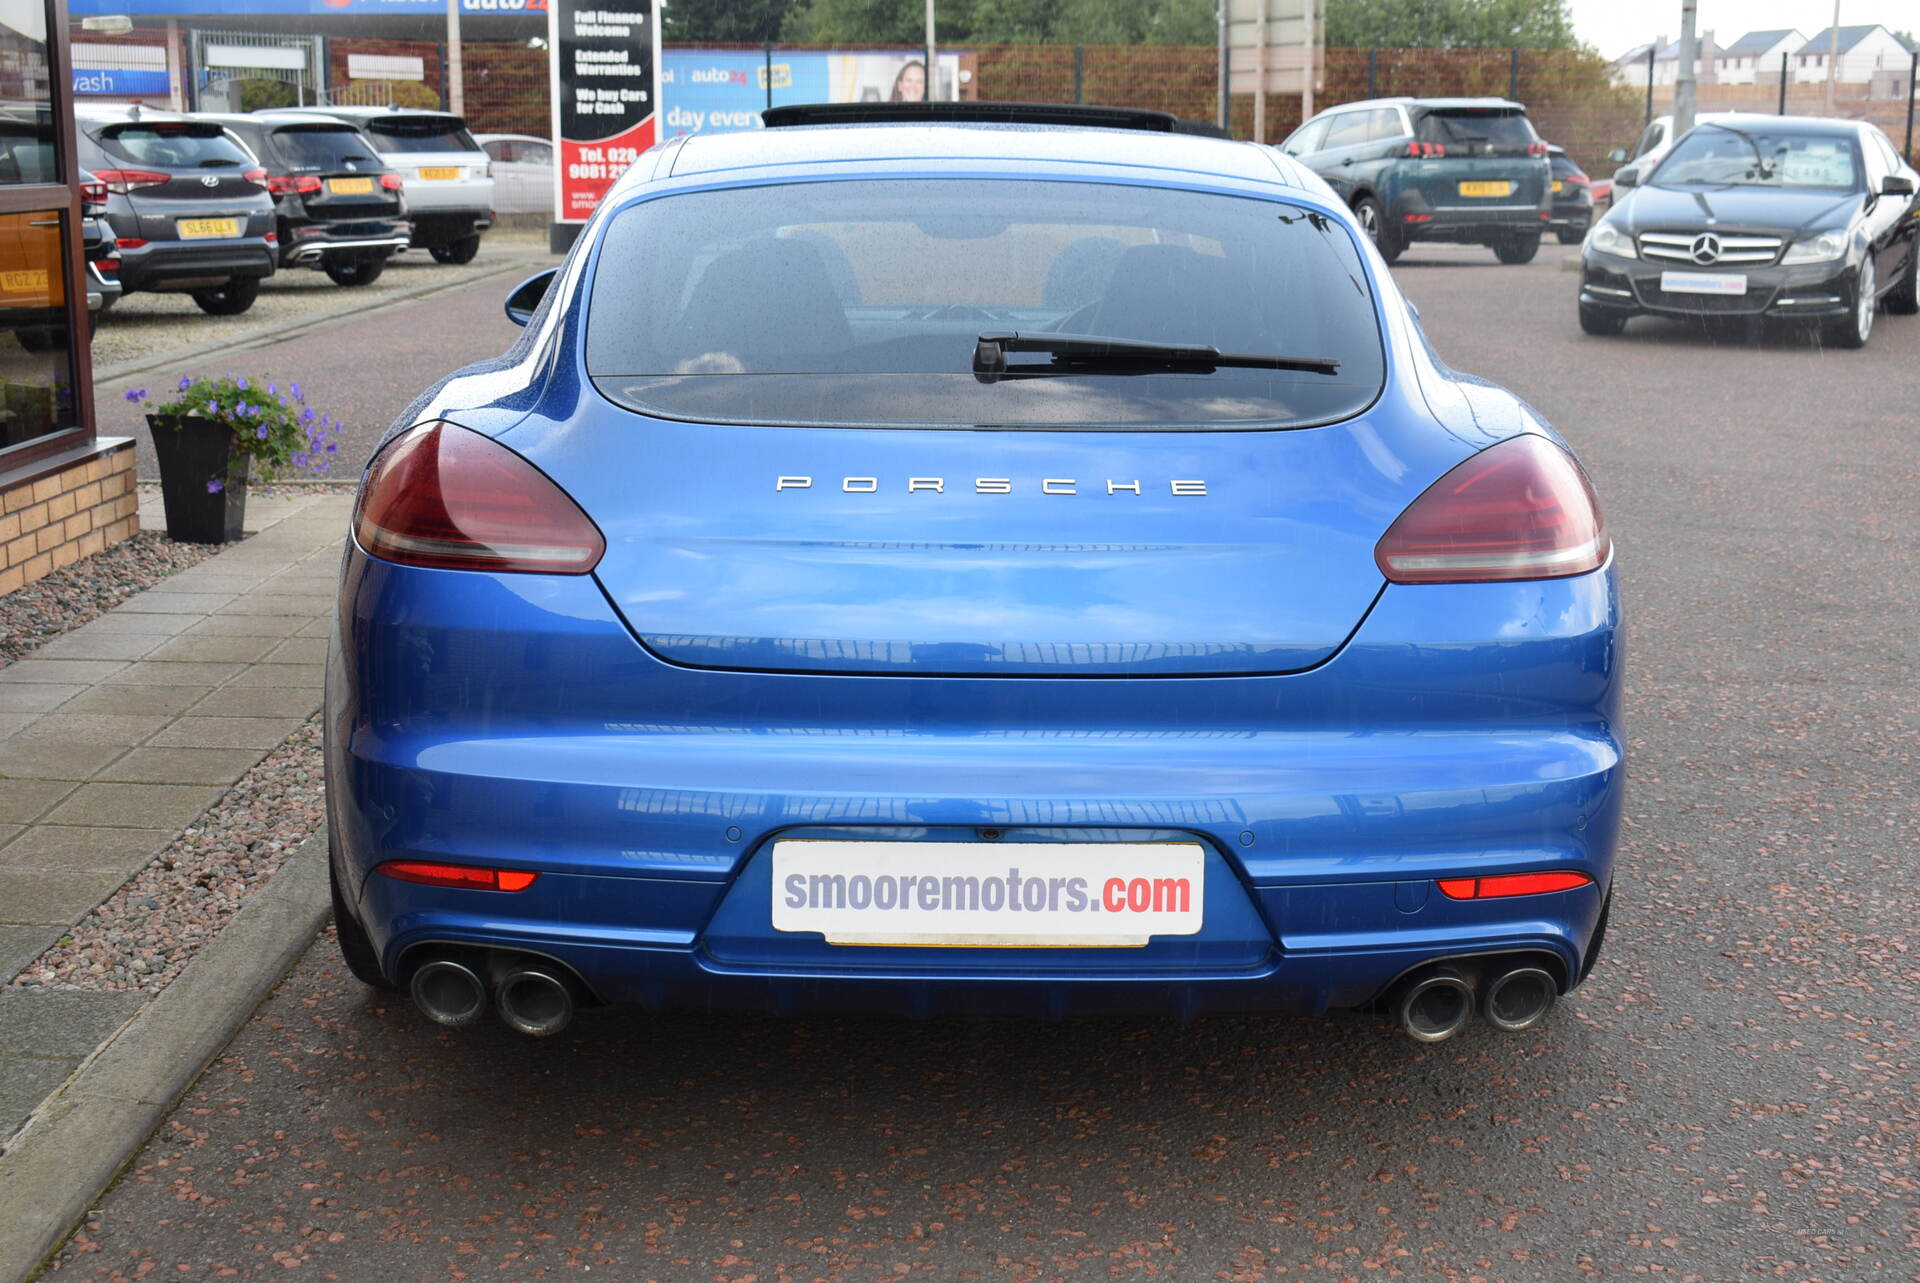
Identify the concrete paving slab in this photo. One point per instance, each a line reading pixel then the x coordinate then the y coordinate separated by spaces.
pixel 299 650
pixel 168 701
pixel 245 626
pixel 8 832
pixel 151 672
pixel 75 672
pixel 81 644
pixel 36 697
pixel 200 579
pixel 197 648
pixel 181 765
pixel 134 806
pixel 25 1081
pixel 306 605
pixel 98 727
pixel 24 801
pixel 62 1022
pixel 259 701
pixel 68 848
pixel 38 895
pixel 321 627
pixel 305 676
pixel 21 943
pixel 227 732
pixel 36 756
pixel 201 603
pixel 121 620
pixel 14 723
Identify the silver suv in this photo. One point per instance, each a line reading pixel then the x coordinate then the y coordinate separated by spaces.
pixel 449 177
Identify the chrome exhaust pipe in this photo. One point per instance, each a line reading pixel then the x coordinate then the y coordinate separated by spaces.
pixel 535 1002
pixel 449 992
pixel 1519 998
pixel 1434 1007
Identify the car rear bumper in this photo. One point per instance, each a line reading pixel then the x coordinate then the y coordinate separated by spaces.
pixel 186 265
pixel 647 797
pixel 311 245
pixel 1475 222
pixel 1631 286
pixel 438 227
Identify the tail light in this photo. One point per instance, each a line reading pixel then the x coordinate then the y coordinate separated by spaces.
pixel 304 185
pixel 93 196
pixel 130 242
pixel 468 876
pixel 1506 884
pixel 1522 509
pixel 1424 150
pixel 106 265
pixel 442 496
pixel 258 176
pixel 122 181
pixel 271 238
pixel 1575 180
pixel 391 182
pixel 1536 149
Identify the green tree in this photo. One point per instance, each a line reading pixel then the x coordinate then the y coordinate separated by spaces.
pixel 1450 24
pixel 726 21
pixel 994 22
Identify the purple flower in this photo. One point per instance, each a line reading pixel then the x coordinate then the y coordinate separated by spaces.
pixel 214 486
pixel 185 383
pixel 241 409
pixel 136 395
pixel 213 407
pixel 273 389
pixel 308 416
pixel 296 391
pixel 283 401
pixel 325 419
pixel 261 432
pixel 299 459
pixel 241 382
pixel 332 446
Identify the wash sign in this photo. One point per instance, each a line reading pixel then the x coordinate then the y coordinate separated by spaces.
pixel 708 92
pixel 123 71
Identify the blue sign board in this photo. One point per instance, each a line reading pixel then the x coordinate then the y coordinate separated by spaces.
pixel 120 82
pixel 283 8
pixel 715 91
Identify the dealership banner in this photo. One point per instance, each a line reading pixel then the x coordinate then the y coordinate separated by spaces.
pixel 605 54
pixel 715 91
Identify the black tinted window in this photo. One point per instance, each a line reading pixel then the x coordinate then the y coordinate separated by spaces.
pixel 805 303
pixel 322 147
pixel 1510 128
pixel 172 145
pixel 421 133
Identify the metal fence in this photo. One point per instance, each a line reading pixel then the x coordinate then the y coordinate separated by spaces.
pixel 1571 95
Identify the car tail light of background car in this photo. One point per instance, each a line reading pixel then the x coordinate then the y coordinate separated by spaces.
pixel 256 176
pixel 1522 509
pixel 93 196
pixel 122 182
pixel 1424 150
pixel 304 185
pixel 1536 149
pixel 392 182
pixel 441 496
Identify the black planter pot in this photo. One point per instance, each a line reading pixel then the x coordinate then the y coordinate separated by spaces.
pixel 192 452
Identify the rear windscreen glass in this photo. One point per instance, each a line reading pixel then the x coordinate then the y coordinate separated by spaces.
pixel 1501 128
pixel 172 146
pixel 864 301
pixel 421 133
pixel 323 147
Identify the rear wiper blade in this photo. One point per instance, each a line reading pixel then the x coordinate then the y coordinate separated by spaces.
pixel 1087 353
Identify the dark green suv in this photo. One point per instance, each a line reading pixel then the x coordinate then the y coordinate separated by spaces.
pixel 1466 170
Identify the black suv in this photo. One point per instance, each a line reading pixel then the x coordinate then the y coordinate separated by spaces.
pixel 337 206
pixel 1466 170
pixel 188 206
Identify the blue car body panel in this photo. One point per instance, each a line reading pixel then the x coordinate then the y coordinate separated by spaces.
pixel 749 664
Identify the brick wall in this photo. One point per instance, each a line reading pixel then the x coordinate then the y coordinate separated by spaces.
pixel 74 513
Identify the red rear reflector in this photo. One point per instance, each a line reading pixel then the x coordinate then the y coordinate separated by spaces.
pixel 392 182
pixel 1522 509
pixel 442 496
pixel 1506 884
pixel 1419 218
pixel 468 876
pixel 130 242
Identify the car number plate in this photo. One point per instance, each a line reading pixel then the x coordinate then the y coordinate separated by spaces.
pixel 193 229
pixel 32 281
pixel 1557 185
pixel 440 173
pixel 1703 282
pixel 1060 895
pixel 1486 189
pixel 350 186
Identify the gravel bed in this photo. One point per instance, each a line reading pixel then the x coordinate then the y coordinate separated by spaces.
pixel 148 930
pixel 37 613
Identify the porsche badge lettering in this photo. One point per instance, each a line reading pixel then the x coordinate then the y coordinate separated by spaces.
pixel 993 485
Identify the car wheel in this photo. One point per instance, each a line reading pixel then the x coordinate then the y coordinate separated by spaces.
pixel 1517 249
pixel 1570 237
pixel 1372 216
pixel 231 299
pixel 1853 330
pixel 461 251
pixel 356 950
pixel 1595 321
pixel 360 272
pixel 1904 299
pixel 36 340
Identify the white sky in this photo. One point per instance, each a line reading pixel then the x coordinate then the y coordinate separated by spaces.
pixel 1615 26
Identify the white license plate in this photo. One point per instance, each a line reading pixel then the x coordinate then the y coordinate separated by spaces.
pixel 1703 283
pixel 988 894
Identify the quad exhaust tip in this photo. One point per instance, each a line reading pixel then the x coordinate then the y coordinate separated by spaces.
pixel 1435 1006
pixel 534 1002
pixel 1518 999
pixel 449 992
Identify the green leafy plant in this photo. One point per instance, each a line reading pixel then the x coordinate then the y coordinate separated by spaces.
pixel 271 424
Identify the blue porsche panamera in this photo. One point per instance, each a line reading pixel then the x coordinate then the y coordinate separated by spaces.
pixel 956 558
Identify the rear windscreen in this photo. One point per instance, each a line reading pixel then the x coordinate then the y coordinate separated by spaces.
pixel 323 147
pixel 1500 128
pixel 420 133
pixel 173 146
pixel 863 302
